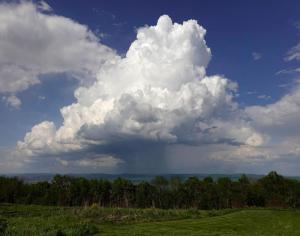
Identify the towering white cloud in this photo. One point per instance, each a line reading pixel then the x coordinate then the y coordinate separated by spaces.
pixel 158 93
pixel 129 110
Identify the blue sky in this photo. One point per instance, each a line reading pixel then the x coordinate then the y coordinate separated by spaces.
pixel 236 29
pixel 249 42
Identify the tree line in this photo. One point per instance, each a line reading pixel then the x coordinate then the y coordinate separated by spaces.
pixel 272 190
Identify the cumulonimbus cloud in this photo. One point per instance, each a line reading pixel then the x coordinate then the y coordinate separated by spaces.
pixel 157 93
pixel 130 109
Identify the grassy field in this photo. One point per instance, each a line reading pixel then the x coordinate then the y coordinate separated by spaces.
pixel 58 221
pixel 245 222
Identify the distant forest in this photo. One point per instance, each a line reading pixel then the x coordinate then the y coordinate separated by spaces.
pixel 272 190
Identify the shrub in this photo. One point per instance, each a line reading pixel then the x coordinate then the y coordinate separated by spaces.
pixel 85 229
pixel 3 226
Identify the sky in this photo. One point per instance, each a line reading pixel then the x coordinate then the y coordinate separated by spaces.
pixel 149 87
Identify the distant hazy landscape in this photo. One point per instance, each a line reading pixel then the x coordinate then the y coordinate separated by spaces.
pixel 135 178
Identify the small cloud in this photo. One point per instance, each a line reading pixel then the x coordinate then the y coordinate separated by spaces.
pixel 264 96
pixel 12 101
pixel 256 56
pixel 99 161
pixel 251 92
pixel 41 97
pixel 100 34
pixel 43 6
pixel 119 24
pixel 104 13
pixel 283 85
pixel 288 71
pixel 293 53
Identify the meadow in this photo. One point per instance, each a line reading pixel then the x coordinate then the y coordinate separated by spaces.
pixel 23 220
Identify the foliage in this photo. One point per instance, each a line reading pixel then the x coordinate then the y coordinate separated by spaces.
pixel 3 226
pixel 272 190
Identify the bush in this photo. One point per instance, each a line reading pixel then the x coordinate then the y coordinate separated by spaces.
pixel 60 233
pixel 85 229
pixel 3 226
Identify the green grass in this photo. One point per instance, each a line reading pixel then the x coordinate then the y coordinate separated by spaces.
pixel 245 222
pixel 46 221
